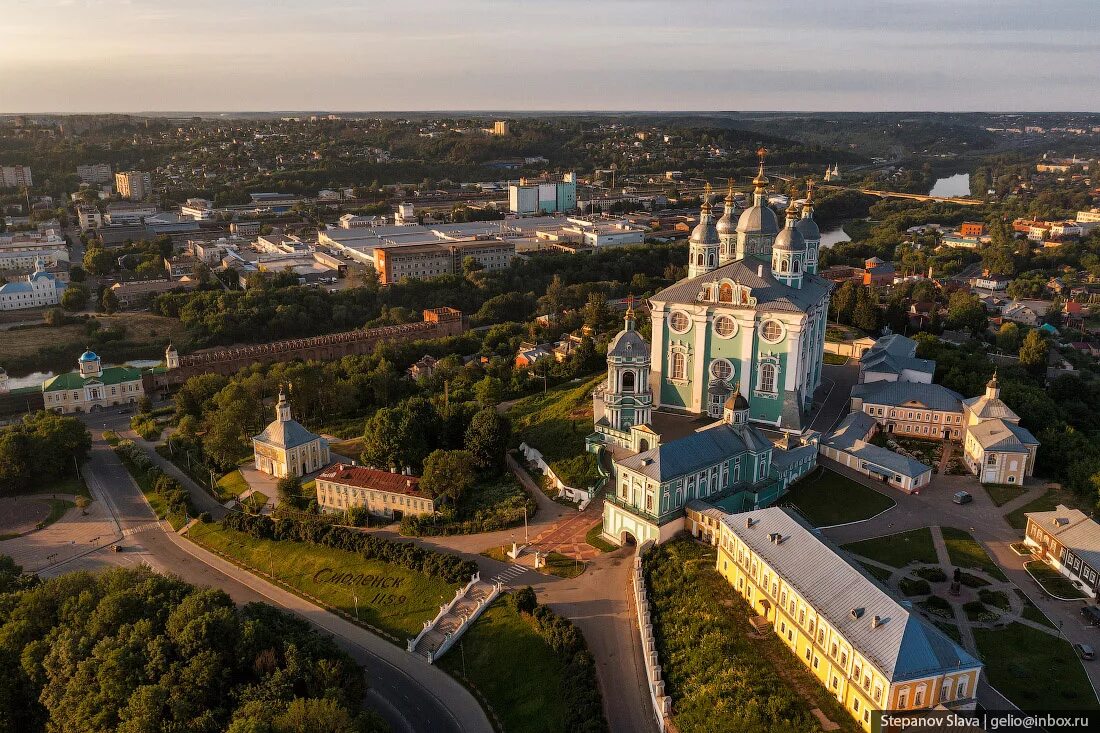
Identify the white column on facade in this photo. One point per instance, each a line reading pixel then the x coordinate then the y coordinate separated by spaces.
pixel 699 365
pixel 746 331
pixel 794 356
pixel 657 351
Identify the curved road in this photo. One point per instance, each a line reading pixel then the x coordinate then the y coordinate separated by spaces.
pixel 411 694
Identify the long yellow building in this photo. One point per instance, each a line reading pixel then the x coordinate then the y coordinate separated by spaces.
pixel 870 651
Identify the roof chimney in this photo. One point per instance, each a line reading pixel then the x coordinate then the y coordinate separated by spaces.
pixel 855 613
pixel 876 622
pixel 760 270
pixel 748 522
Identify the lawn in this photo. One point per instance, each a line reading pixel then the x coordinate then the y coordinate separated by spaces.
pixel 898 550
pixel 400 609
pixel 556 563
pixel 231 485
pixel 350 448
pixel 882 574
pixel 504 659
pixel 827 498
pixel 1033 669
pixel 1052 581
pixel 593 538
pixel 965 552
pixel 256 501
pixel 721 676
pixel 835 358
pixel 56 348
pixel 1032 612
pixel 556 423
pixel 1045 503
pixel 58 507
pixel 1001 494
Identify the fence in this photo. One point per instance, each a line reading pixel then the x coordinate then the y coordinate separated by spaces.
pixel 662 703
pixel 532 455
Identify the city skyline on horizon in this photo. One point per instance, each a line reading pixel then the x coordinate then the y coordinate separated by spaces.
pixel 238 56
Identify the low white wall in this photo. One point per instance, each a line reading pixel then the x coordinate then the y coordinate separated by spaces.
pixel 662 703
pixel 533 455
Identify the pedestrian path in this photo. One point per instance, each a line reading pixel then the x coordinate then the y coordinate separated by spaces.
pixel 131 531
pixel 454 618
pixel 509 574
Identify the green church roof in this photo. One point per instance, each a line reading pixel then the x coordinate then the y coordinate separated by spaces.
pixel 73 380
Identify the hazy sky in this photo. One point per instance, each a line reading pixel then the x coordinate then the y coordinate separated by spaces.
pixel 137 55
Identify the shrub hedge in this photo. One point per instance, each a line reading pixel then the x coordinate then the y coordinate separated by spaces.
pixel 450 568
pixel 579 684
pixel 152 480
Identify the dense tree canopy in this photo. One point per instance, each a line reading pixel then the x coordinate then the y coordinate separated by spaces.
pixel 132 651
pixel 40 449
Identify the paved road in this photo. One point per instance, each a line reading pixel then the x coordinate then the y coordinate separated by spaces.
pixel 412 695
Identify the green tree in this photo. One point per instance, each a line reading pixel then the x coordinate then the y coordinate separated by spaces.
pixel 77 274
pixel 866 316
pixel 448 473
pixel 487 438
pixel 489 391
pixel 965 311
pixel 289 489
pixel 1008 337
pixel 595 311
pixel 1034 351
pixel 109 301
pixel 98 261
pixel 75 297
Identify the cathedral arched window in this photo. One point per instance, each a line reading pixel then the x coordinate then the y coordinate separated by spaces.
pixel 794 266
pixel 725 293
pixel 628 381
pixel 783 265
pixel 766 382
pixel 678 365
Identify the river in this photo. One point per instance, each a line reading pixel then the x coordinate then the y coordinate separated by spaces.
pixel 834 236
pixel 952 186
pixel 37 378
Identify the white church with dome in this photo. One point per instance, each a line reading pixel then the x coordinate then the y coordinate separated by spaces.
pixel 713 411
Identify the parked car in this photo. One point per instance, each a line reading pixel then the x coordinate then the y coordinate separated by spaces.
pixel 1084 651
pixel 1091 614
pixel 962 497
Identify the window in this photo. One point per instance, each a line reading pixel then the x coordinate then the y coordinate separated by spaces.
pixel 766 382
pixel 628 381
pixel 771 331
pixel 678 365
pixel 816 661
pixel 725 326
pixel 678 321
pixel 918 699
pixel 961 691
pixel 992 460
pixel 855 704
pixel 721 369
pixel 794 266
pixel 903 701
pixel 725 293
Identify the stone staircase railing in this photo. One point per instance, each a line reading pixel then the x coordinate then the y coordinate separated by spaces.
pixel 662 703
pixel 454 617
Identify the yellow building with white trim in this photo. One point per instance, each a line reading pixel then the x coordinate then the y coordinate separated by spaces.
pixel 870 651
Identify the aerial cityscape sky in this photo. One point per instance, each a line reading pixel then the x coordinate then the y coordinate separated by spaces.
pixel 232 55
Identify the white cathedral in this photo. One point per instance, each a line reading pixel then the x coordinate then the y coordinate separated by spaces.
pixel 713 412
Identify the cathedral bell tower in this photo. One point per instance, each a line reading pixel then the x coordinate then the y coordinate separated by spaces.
pixel 627 399
pixel 789 253
pixel 809 229
pixel 704 242
pixel 727 229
